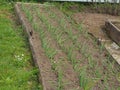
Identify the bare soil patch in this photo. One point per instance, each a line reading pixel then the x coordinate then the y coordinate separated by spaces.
pixel 94 22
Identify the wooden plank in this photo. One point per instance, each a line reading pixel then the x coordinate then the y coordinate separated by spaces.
pixel 113 31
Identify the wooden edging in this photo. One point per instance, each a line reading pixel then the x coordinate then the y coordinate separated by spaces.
pixel 46 75
pixel 113 31
pixel 110 46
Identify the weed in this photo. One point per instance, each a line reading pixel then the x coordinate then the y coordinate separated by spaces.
pixel 82 77
pixel 91 62
pixel 60 83
pixel 54 64
pixel 71 56
pixel 101 47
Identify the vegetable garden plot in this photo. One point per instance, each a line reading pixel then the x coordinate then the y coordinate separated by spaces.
pixel 77 63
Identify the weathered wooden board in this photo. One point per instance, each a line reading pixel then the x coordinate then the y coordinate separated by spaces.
pixel 113 30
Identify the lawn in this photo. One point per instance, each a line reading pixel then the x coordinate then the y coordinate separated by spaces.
pixel 17 71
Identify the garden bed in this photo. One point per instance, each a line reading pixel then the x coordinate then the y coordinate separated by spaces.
pixel 67 57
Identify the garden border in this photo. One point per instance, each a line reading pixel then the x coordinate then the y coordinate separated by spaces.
pixel 113 31
pixel 46 75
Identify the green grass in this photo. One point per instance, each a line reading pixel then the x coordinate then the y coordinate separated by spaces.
pixel 16 66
